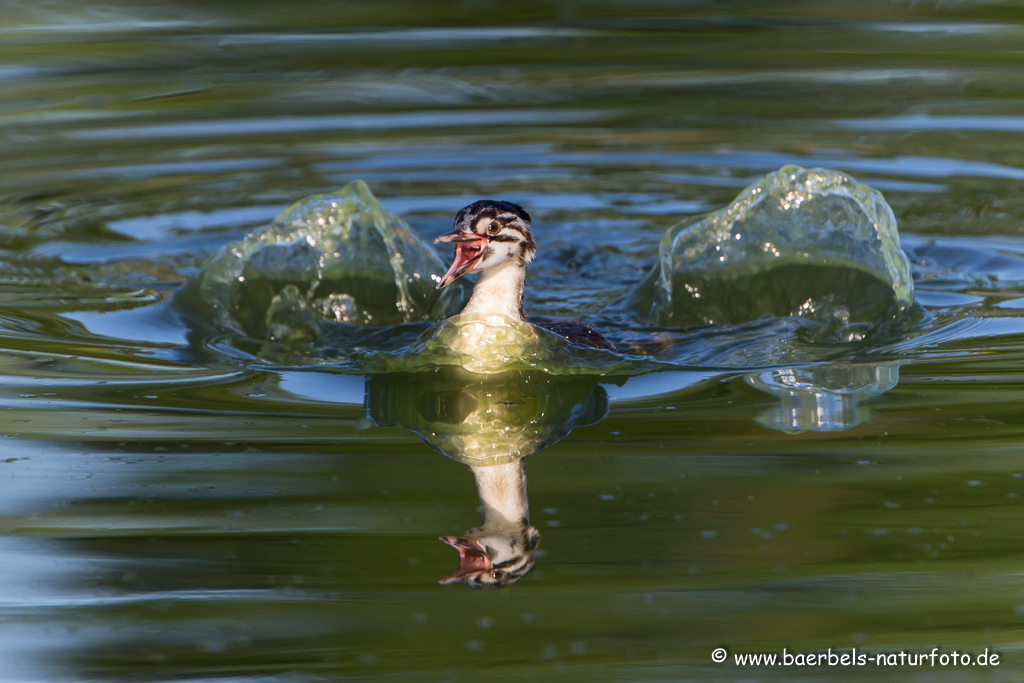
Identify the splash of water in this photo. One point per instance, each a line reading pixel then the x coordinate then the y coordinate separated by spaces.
pixel 337 280
pixel 813 244
pixel 334 258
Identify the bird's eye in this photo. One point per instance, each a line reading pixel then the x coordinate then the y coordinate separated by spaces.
pixel 493 228
pixel 497 574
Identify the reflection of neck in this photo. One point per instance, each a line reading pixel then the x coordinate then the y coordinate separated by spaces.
pixel 502 490
pixel 500 290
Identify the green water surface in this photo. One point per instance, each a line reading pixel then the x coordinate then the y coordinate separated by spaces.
pixel 173 507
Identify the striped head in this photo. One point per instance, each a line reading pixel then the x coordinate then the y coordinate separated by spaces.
pixel 488 233
pixel 493 560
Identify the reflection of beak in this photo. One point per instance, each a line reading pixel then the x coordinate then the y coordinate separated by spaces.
pixel 469 249
pixel 472 558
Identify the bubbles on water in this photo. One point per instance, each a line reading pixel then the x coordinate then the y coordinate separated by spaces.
pixel 489 344
pixel 341 308
pixel 492 344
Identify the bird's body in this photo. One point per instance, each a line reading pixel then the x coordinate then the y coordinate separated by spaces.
pixel 493 238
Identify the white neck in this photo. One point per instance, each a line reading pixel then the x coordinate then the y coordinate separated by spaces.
pixel 500 290
pixel 502 489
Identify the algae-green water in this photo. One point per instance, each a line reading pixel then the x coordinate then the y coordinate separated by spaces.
pixel 787 290
pixel 174 507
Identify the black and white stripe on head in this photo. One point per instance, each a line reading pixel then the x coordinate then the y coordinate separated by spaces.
pixel 510 564
pixel 472 217
pixel 499 221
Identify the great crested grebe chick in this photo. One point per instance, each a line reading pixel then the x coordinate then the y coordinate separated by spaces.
pixel 493 238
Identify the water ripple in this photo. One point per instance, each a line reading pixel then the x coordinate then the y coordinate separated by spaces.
pixel 305 124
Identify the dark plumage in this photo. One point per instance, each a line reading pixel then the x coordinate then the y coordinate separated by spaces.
pixel 579 333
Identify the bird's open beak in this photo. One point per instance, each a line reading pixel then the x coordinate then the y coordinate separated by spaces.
pixel 469 249
pixel 472 558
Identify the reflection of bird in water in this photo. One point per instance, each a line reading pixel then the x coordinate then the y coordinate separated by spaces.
pixel 489 422
pixel 500 551
pixel 493 238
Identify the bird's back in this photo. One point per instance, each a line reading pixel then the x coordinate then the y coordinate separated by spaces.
pixel 579 333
